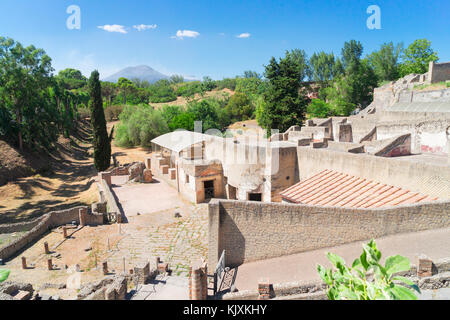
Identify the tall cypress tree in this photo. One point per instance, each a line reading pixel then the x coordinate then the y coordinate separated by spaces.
pixel 101 140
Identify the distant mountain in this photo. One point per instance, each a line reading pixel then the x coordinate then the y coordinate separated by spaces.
pixel 140 72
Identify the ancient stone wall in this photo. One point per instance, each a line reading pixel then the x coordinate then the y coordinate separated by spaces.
pixel 47 222
pixel 439 72
pixel 251 231
pixel 427 136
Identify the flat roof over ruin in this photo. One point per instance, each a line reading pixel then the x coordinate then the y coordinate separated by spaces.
pixel 335 189
pixel 179 140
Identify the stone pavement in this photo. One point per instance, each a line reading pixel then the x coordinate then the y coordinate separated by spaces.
pixel 177 241
pixel 163 288
pixel 302 266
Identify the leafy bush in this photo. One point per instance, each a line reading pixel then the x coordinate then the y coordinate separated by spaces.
pixel 318 109
pixel 356 283
pixel 113 112
pixel 139 125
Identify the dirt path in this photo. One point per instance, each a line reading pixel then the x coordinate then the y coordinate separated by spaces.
pixel 69 184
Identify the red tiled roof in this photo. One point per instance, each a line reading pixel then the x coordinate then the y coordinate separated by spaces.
pixel 335 189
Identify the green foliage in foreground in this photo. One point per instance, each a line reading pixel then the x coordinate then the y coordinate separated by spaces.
pixel 4 274
pixel 357 282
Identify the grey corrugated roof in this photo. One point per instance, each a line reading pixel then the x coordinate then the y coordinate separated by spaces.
pixel 179 140
pixel 441 106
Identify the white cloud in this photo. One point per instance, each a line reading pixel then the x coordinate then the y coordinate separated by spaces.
pixel 142 27
pixel 185 33
pixel 244 35
pixel 113 28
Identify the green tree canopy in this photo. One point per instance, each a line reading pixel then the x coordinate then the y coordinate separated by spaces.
pixel 283 106
pixel 385 61
pixel 417 57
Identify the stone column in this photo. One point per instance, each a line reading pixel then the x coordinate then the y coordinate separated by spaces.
pixel 24 263
pixel 82 217
pixel 49 264
pixel 105 268
pixel 46 250
pixel 64 229
pixel 424 267
pixel 198 284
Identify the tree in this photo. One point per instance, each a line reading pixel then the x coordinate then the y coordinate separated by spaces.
pixel 385 61
pixel 283 106
pixel 322 66
pixel 239 107
pixel 351 53
pixel 109 90
pixel 354 283
pixel 417 57
pixel 101 140
pixel 25 75
pixel 126 86
pixel 300 60
pixel 251 74
pixel 175 79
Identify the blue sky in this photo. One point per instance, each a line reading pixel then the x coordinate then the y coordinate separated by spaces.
pixel 214 48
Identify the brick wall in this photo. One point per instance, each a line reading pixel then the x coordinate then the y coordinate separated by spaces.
pixel 251 231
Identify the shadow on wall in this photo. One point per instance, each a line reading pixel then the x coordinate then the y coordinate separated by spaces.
pixel 235 256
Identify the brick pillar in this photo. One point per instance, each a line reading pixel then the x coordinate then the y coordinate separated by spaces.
pixel 148 163
pixel 105 268
pixel 198 284
pixel 49 264
pixel 265 290
pixel 46 250
pixel 82 215
pixel 24 263
pixel 424 267
pixel 190 283
pixel 106 176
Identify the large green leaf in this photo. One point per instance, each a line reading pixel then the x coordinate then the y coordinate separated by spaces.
pixel 4 274
pixel 323 274
pixel 334 259
pixel 396 264
pixel 402 293
pixel 408 282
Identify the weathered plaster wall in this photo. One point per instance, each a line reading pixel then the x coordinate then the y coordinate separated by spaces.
pixel 429 136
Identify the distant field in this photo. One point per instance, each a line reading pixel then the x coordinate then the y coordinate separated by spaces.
pixel 182 101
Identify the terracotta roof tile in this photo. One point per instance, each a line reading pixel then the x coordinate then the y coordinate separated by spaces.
pixel 332 188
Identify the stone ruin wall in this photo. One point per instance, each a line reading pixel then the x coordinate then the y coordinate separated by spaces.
pixel 38 227
pixel 439 72
pixel 251 231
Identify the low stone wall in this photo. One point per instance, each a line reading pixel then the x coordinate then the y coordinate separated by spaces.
pixel 113 207
pixel 251 231
pixel 19 227
pixel 45 223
